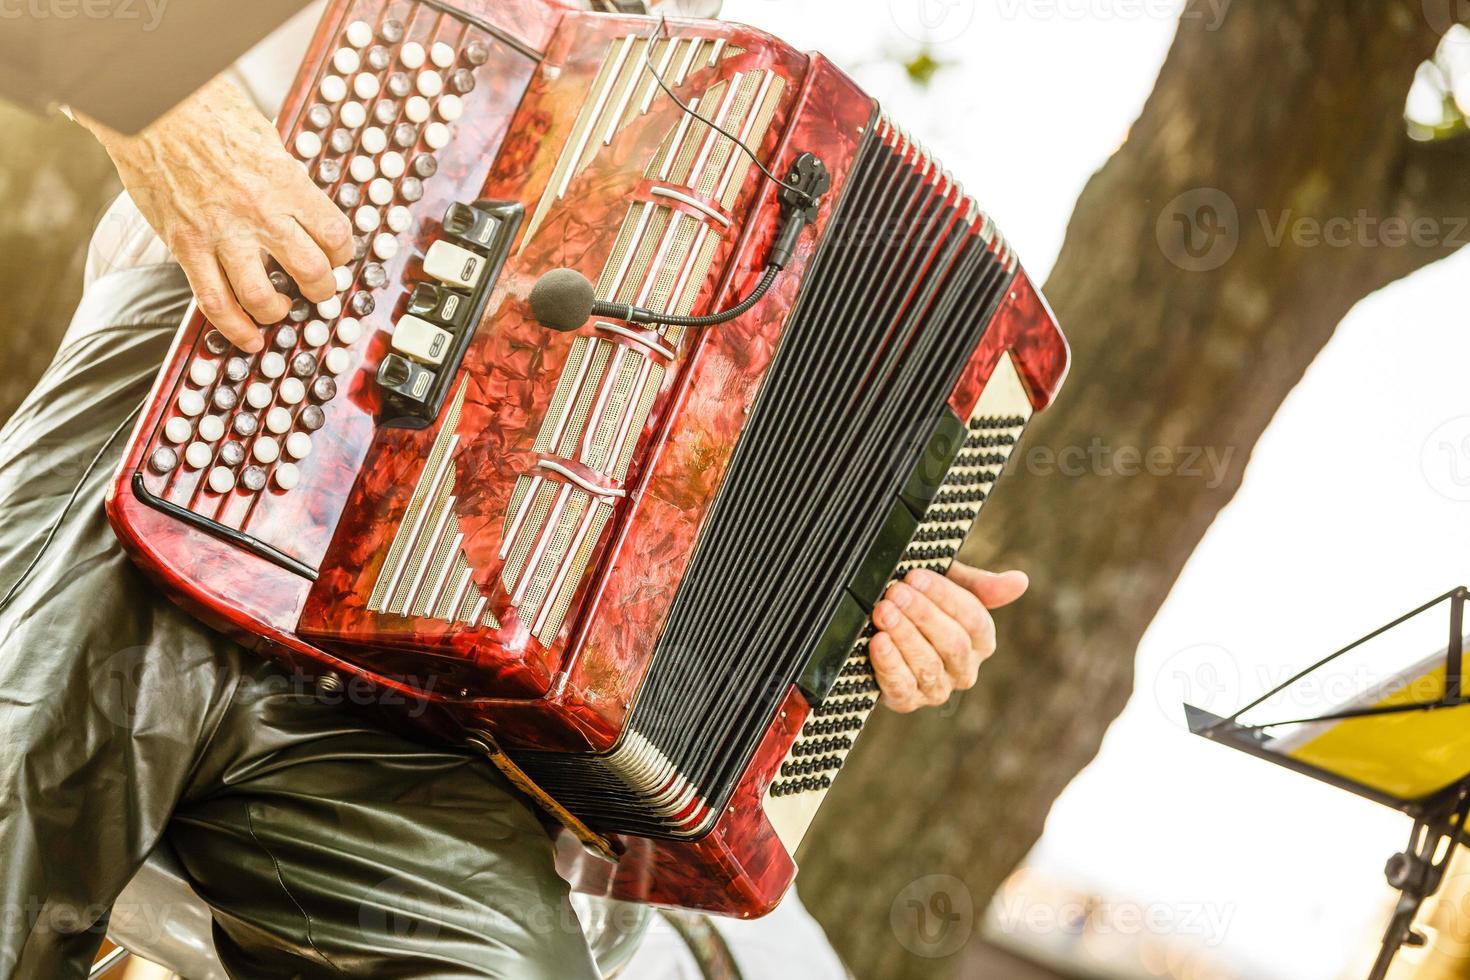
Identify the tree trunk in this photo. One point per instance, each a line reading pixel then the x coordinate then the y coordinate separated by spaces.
pixel 1291 109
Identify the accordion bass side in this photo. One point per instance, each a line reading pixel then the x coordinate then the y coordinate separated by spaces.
pixel 632 563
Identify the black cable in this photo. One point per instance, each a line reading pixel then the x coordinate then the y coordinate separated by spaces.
pixel 70 502
pixel 661 29
pixel 635 314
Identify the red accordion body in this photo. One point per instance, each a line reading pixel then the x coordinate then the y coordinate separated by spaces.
pixel 639 559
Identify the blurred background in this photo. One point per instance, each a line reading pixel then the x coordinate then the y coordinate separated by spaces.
pixel 1212 192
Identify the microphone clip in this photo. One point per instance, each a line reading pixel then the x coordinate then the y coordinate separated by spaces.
pixel 801 199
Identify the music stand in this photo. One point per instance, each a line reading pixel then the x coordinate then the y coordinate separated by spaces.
pixel 1398 745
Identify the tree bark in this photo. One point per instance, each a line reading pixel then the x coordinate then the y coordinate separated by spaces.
pixel 1291 109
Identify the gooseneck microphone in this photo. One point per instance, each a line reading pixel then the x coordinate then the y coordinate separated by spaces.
pixel 564 299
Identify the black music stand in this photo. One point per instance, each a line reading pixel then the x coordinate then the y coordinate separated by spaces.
pixel 1433 792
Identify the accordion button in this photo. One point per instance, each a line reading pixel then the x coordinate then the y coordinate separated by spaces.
pixel 412 189
pixel 362 304
pixel 308 144
pixel 316 333
pixel 221 480
pixel 266 450
pixel 215 342
pixel 284 338
pixel 292 391
pixel 329 172
pixel 429 83
pixel 441 54
pixel 399 85
pixel 333 88
pixel 399 219
pixel 211 428
pixel 454 265
pixel 352 114
pixel 177 430
pixel 374 140
pixel 462 80
pixel 392 165
pixel 278 420
pixel 342 277
pixel 329 309
pixel 421 340
pixel 416 109
pixel 319 117
pixel 348 330
pixel 436 136
pixel 346 60
pixel 412 55
pixel 288 477
pixel 362 169
pixel 340 142
pixel 245 426
pixel 367 218
pixel 338 361
pixel 323 389
pixel 349 196
pixel 303 365
pixel 359 34
pixel 425 166
pixel 451 107
pixel 163 460
pixel 225 399
pixel 191 403
pixel 385 246
pixel 380 192
pixel 391 31
pixel 476 53
pixel 298 445
pixel 197 456
pixel 379 58
pixel 366 87
pixel 312 417
pixel 300 311
pixel 253 478
pixel 272 365
pixel 232 454
pixel 258 394
pixel 202 373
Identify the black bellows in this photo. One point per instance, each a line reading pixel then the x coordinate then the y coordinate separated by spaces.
pixel 896 301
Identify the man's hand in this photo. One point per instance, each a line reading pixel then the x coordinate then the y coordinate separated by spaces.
pixel 936 632
pixel 214 181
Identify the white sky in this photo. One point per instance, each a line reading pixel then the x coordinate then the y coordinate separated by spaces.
pixel 1310 555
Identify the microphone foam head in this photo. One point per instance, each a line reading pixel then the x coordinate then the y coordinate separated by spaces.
pixel 562 299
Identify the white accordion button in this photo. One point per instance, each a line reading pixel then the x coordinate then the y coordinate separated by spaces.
pixel 430 83
pixel 349 329
pixel 416 109
pixel 399 219
pixel 346 61
pixel 272 365
pixel 316 333
pixel 334 88
pixel 177 430
pixel 385 247
pixel 278 420
pixel 352 115
pixel 292 391
pixel 380 192
pixel 359 34
pixel 392 164
pixel 308 144
pixel 454 265
pixel 362 169
pixel 191 403
pixel 221 480
pixel 366 87
pixel 451 107
pixel 288 477
pixel 211 428
pixel 338 361
pixel 202 373
pixel 374 140
pixel 441 54
pixel 367 218
pixel 342 277
pixel 266 450
pixel 258 394
pixel 298 445
pixel 197 455
pixel 436 136
pixel 412 55
pixel 421 340
pixel 330 309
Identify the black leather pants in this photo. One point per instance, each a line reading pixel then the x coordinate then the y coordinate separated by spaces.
pixel 325 846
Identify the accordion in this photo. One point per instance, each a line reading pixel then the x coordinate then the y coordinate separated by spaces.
pixel 632 561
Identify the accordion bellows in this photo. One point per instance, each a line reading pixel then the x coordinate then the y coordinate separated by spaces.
pixel 638 559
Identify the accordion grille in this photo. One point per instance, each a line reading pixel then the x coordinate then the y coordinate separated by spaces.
pixel 907 278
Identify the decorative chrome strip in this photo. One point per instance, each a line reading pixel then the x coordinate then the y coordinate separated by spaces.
pixel 592 488
pixel 633 335
pixel 697 205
